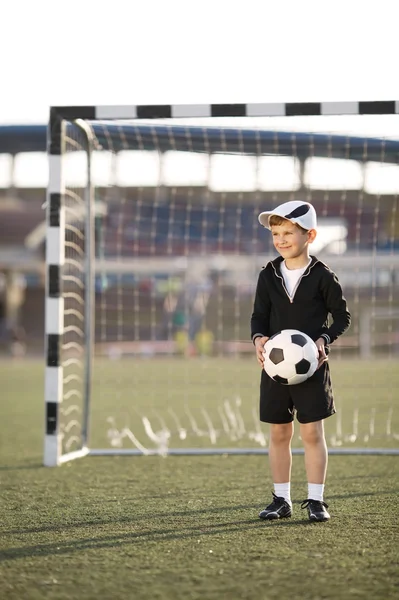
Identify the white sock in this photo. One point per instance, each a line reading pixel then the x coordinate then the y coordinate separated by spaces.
pixel 316 491
pixel 283 490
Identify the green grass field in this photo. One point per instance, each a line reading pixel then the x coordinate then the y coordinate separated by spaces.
pixel 187 527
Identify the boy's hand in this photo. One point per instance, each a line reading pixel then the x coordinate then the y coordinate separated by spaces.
pixel 322 351
pixel 259 343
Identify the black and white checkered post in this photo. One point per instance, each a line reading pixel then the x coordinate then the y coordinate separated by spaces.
pixel 54 309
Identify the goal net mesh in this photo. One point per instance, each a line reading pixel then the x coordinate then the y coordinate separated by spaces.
pixel 178 249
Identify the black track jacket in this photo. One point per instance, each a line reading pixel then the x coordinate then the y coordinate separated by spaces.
pixel 317 295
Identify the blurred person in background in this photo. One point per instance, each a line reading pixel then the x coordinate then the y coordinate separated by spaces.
pixel 12 334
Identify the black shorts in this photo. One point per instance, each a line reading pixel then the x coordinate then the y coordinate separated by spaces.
pixel 312 400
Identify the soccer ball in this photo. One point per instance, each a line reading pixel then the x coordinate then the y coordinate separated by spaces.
pixel 290 357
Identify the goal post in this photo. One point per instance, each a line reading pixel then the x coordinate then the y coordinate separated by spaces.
pixel 152 254
pixel 57 295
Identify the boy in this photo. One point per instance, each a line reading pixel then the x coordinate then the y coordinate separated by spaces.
pixel 297 291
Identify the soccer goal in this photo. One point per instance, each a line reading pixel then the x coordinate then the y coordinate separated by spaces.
pixel 153 250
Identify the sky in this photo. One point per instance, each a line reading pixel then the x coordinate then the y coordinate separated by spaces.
pixel 194 52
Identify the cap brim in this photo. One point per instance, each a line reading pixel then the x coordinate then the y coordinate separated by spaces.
pixel 264 219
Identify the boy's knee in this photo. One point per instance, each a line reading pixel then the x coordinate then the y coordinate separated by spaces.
pixel 281 433
pixel 312 433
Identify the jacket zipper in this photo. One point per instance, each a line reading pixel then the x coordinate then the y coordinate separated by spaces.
pixel 291 298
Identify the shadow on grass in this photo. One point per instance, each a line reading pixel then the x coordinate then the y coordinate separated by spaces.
pixel 289 523
pixel 159 535
pixel 133 519
pixel 115 541
pixel 21 467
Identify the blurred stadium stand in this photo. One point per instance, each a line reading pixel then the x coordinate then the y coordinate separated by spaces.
pixel 22 215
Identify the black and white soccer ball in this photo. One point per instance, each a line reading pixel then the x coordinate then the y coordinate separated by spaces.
pixel 290 357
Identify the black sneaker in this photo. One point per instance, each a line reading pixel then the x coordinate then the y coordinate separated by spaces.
pixel 316 510
pixel 278 509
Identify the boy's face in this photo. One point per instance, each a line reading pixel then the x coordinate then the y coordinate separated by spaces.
pixel 289 241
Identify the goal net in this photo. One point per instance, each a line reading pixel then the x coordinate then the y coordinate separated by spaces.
pixel 153 254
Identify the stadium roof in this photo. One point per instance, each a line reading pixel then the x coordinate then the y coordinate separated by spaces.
pixel 32 138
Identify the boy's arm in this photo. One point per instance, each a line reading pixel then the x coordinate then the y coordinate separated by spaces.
pixel 336 305
pixel 261 312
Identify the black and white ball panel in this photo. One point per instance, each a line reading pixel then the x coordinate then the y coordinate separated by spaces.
pixel 298 338
pixel 276 355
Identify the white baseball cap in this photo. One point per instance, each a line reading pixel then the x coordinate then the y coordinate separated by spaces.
pixel 295 211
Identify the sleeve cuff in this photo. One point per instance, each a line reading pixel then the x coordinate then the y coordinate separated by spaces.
pixel 256 335
pixel 326 337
